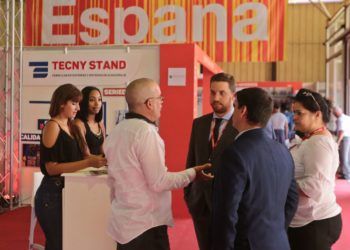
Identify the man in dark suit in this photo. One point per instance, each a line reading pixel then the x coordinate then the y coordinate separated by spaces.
pixel 254 193
pixel 211 134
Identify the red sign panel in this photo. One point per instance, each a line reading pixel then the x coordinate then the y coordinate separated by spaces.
pixel 235 30
pixel 114 91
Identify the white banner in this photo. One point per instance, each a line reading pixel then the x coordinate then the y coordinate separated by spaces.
pixel 98 67
pixel 107 69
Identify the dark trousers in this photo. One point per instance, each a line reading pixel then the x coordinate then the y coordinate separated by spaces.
pixel 48 210
pixel 155 238
pixel 199 202
pixel 317 235
pixel 202 229
pixel 280 135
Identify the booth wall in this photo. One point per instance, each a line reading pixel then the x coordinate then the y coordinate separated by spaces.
pixel 177 114
pixel 184 101
pixel 140 61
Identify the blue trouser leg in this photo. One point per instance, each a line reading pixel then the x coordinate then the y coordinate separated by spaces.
pixel 344 153
pixel 48 209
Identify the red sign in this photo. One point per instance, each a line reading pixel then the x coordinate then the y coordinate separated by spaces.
pixel 235 30
pixel 114 91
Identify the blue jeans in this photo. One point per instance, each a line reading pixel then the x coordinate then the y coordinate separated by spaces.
pixel 280 135
pixel 48 210
pixel 344 157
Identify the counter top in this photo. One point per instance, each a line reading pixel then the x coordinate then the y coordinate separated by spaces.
pixel 96 172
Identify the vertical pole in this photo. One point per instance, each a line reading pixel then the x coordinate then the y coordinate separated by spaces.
pixel 273 71
pixel 20 95
pixel 7 63
pixel 12 100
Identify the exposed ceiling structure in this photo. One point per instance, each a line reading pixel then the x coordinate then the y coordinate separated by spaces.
pixel 308 1
pixel 319 4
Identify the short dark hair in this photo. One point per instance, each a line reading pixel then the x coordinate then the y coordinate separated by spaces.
pixel 276 105
pixel 84 105
pixel 224 77
pixel 63 94
pixel 259 105
pixel 285 106
pixel 313 102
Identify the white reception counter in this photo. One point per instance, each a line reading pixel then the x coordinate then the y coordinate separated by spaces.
pixel 85 206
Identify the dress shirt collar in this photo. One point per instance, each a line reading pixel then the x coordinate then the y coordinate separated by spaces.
pixel 132 115
pixel 226 117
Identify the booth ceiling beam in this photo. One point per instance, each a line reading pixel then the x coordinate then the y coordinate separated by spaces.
pixel 319 4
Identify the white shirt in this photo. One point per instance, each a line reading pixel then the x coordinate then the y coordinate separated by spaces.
pixel 139 181
pixel 316 161
pixel 343 124
pixel 278 121
pixel 225 119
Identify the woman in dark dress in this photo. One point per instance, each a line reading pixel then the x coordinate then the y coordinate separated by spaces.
pixel 89 121
pixel 59 153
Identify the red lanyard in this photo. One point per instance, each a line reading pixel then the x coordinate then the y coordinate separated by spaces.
pixel 321 129
pixel 214 144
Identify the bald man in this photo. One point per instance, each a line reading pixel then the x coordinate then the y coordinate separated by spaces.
pixel 139 181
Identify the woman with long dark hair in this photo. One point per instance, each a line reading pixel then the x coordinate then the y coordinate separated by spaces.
pixel 59 153
pixel 89 121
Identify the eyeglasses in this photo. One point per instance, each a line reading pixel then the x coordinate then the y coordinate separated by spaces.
pixel 307 93
pixel 161 98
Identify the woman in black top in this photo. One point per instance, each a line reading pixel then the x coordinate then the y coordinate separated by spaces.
pixel 89 121
pixel 59 153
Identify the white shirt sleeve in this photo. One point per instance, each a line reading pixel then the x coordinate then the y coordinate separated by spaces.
pixel 151 157
pixel 318 160
pixel 110 181
pixel 340 123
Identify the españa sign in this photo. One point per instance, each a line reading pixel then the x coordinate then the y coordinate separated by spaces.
pixel 228 30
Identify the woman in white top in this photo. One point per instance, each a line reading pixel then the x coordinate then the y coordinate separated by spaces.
pixel 317 223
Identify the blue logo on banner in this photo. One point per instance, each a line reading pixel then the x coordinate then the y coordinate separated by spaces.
pixel 40 69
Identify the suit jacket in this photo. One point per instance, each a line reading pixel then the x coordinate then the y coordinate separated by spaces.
pixel 254 195
pixel 198 195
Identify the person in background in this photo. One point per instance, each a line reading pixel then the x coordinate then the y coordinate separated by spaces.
pixel 138 178
pixel 210 135
pixel 59 153
pixel 89 122
pixel 317 223
pixel 279 123
pixel 254 194
pixel 343 140
pixel 269 130
pixel 332 124
pixel 286 109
